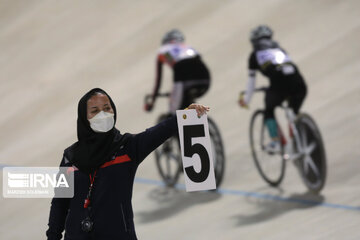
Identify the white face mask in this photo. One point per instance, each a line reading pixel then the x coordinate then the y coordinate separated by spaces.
pixel 102 122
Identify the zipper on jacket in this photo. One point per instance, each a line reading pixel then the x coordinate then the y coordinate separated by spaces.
pixel 123 215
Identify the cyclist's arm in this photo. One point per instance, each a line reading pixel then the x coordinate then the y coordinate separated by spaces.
pixel 158 77
pixel 250 86
pixel 253 65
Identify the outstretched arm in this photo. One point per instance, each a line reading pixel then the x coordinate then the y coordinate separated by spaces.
pixel 149 140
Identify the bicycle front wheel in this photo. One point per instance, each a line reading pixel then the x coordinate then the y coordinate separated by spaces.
pixel 168 158
pixel 313 164
pixel 270 166
pixel 168 161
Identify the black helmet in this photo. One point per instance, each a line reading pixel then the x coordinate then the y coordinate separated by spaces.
pixel 259 32
pixel 173 35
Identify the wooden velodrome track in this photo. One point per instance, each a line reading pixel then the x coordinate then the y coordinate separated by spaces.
pixel 52 52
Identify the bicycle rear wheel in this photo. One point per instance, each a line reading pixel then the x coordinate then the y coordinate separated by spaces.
pixel 313 164
pixel 217 152
pixel 168 159
pixel 270 166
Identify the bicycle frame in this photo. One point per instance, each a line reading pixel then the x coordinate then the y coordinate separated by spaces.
pixel 294 135
pixel 301 149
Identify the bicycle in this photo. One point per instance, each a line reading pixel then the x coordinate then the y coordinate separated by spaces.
pixel 168 155
pixel 303 146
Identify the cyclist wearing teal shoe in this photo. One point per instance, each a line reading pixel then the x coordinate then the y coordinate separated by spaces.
pixel 286 82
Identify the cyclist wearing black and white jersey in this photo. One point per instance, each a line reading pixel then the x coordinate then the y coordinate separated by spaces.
pixel 286 81
pixel 190 74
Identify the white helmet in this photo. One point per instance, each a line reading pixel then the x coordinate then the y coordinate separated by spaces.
pixel 259 32
pixel 173 35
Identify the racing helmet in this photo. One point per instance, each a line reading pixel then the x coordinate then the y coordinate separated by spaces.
pixel 261 31
pixel 173 35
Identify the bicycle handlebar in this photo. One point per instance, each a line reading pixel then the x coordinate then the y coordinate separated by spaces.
pixel 242 93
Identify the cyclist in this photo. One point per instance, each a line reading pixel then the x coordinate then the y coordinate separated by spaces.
pixel 286 81
pixel 190 74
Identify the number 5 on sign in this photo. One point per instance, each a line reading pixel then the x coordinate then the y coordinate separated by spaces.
pixel 196 151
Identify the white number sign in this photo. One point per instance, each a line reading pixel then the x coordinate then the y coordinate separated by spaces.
pixel 196 151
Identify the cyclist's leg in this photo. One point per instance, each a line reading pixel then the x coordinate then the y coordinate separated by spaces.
pixel 200 87
pixel 272 99
pixel 187 98
pixel 193 89
pixel 297 94
pixel 177 96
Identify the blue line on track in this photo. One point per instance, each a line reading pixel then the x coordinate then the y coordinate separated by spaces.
pixel 259 196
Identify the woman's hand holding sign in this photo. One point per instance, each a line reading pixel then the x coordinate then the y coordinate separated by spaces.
pixel 200 109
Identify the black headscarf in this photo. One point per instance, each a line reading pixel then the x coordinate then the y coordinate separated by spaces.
pixel 93 149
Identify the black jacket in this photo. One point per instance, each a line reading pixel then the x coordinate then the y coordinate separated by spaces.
pixel 111 208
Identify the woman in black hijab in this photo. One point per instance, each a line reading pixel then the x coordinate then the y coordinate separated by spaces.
pixel 94 148
pixel 104 163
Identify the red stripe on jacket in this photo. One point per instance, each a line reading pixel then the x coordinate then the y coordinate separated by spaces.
pixel 117 160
